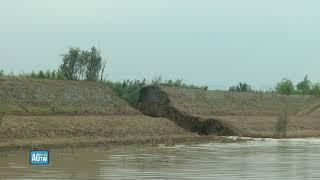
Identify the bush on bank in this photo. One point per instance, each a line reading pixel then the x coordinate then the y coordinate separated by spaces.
pixel 129 89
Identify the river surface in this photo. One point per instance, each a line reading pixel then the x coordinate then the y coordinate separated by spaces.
pixel 260 159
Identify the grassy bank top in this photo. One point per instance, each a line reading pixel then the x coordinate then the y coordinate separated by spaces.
pixel 21 96
pixel 28 96
pixel 215 102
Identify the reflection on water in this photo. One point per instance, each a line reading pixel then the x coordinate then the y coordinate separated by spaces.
pixel 261 159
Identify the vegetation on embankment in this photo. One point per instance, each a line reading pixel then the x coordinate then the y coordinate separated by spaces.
pixel 284 87
pixel 129 89
pixel 53 97
pixel 89 65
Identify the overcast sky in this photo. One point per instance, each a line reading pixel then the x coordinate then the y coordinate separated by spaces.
pixel 211 42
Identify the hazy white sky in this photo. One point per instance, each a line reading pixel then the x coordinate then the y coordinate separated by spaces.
pixel 211 42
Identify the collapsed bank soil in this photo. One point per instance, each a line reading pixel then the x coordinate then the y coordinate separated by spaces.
pixel 253 114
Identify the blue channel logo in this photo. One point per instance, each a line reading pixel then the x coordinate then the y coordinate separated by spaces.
pixel 39 157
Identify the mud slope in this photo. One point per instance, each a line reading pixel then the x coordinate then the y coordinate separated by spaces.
pixel 52 97
pixel 156 102
pixel 231 113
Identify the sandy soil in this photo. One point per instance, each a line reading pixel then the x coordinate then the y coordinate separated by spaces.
pixel 263 126
pixel 68 131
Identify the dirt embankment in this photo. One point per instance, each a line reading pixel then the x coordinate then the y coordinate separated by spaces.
pixel 59 113
pixel 66 131
pixel 50 113
pixel 232 113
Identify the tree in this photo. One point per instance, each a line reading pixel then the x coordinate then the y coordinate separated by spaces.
pixel 81 64
pixel 285 87
pixel 33 74
pixel 53 74
pixel 241 87
pixel 60 75
pixel 103 68
pixel 315 90
pixel 304 86
pixel 93 64
pixel 48 74
pixel 70 65
pixel 41 75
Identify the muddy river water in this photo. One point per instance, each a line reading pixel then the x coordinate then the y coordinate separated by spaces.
pixel 260 159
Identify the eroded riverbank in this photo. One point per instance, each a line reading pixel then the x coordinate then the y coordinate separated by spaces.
pixel 81 131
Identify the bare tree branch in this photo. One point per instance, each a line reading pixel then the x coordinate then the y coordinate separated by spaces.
pixel 103 68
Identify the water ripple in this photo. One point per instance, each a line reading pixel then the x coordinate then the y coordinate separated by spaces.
pixel 258 159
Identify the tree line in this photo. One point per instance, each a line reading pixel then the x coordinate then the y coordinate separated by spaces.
pixel 304 87
pixel 76 64
pixel 89 65
pixel 285 87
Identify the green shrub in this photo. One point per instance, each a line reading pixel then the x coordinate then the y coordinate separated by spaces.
pixel 33 75
pixel 304 87
pixel 60 75
pixel 241 87
pixel 174 83
pixel 41 75
pixel 48 75
pixel 129 89
pixel 315 89
pixel 285 87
